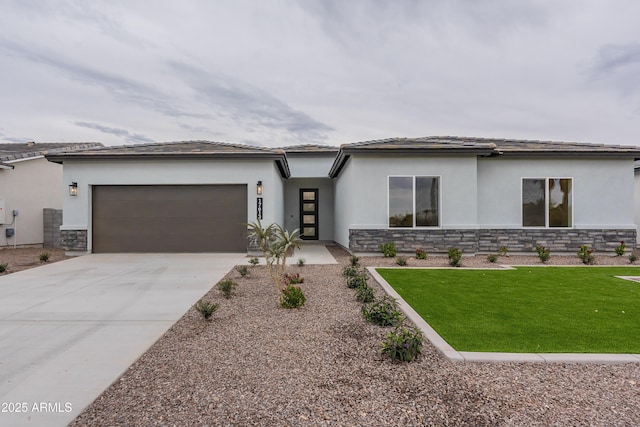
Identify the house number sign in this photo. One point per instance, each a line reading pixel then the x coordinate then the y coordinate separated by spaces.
pixel 259 208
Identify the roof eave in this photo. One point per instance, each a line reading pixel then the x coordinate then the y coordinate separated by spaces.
pixel 279 158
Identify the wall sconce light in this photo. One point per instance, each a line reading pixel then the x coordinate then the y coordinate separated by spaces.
pixel 73 189
pixel 259 188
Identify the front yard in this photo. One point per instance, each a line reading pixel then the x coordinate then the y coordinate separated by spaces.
pixel 527 310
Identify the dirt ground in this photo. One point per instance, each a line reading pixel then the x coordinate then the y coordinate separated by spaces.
pixel 25 258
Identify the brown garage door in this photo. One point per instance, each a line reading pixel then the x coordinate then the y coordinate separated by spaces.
pixel 169 218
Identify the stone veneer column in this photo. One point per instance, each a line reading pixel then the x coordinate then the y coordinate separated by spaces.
pixel 74 240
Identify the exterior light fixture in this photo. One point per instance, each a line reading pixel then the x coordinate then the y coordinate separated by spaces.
pixel 259 188
pixel 73 189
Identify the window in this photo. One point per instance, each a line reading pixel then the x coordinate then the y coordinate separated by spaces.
pixel 414 201
pixel 547 202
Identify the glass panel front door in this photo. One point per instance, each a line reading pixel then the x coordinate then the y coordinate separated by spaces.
pixel 309 213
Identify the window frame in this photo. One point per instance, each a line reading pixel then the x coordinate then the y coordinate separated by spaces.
pixel 546 203
pixel 413 194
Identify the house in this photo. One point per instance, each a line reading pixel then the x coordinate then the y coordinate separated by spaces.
pixel 30 194
pixel 431 193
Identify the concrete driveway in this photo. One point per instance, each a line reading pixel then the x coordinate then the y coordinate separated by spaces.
pixel 69 329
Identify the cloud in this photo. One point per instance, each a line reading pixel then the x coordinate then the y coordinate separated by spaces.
pixel 618 66
pixel 133 138
pixel 123 89
pixel 251 107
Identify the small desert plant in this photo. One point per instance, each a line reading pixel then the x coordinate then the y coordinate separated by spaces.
pixel 632 258
pixel 3 268
pixel 543 253
pixel 586 254
pixel 44 257
pixel 401 261
pixel 254 261
pixel 403 344
pixel 620 249
pixel 420 254
pixel 354 261
pixel 383 312
pixel 206 308
pixel 358 280
pixel 350 271
pixel 293 279
pixel 492 258
pixel 365 294
pixel 226 287
pixel 243 270
pixel 455 255
pixel 292 297
pixel 301 262
pixel 388 249
pixel 503 250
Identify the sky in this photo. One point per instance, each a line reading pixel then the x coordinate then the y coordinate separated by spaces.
pixel 283 72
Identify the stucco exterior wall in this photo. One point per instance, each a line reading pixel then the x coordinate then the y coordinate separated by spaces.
pixel 77 210
pixel 602 190
pixel 362 190
pixel 325 204
pixel 313 165
pixel 33 184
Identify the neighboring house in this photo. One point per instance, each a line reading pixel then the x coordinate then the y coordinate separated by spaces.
pixel 636 198
pixel 29 184
pixel 431 193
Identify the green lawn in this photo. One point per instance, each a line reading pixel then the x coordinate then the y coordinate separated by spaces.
pixel 527 310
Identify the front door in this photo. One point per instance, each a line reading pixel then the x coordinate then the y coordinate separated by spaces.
pixel 309 213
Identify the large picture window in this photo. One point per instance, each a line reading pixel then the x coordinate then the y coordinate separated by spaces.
pixel 547 202
pixel 414 201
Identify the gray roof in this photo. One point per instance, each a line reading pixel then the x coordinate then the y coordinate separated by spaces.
pixel 310 149
pixel 178 150
pixel 16 151
pixel 479 147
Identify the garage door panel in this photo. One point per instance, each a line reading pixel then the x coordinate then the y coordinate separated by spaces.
pixel 166 218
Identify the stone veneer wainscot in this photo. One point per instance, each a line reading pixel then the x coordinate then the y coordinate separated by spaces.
pixel 489 240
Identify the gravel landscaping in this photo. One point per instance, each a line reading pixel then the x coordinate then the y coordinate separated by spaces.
pixel 258 364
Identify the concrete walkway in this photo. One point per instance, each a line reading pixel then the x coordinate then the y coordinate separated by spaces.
pixel 313 253
pixel 466 356
pixel 69 329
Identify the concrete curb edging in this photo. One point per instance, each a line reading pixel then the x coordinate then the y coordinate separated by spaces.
pixel 461 356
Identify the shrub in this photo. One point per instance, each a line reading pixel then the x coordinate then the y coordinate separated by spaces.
pixel 3 268
pixel 388 249
pixel 226 287
pixel 276 244
pixel 292 297
pixel 492 258
pixel 543 253
pixel 254 261
pixel 620 249
pixel 350 271
pixel 502 251
pixel 401 261
pixel 403 344
pixel 365 294
pixel 293 279
pixel 383 312
pixel 420 254
pixel 243 270
pixel 206 308
pixel 455 255
pixel 44 257
pixel 301 262
pixel 354 261
pixel 358 280
pixel 632 258
pixel 586 254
